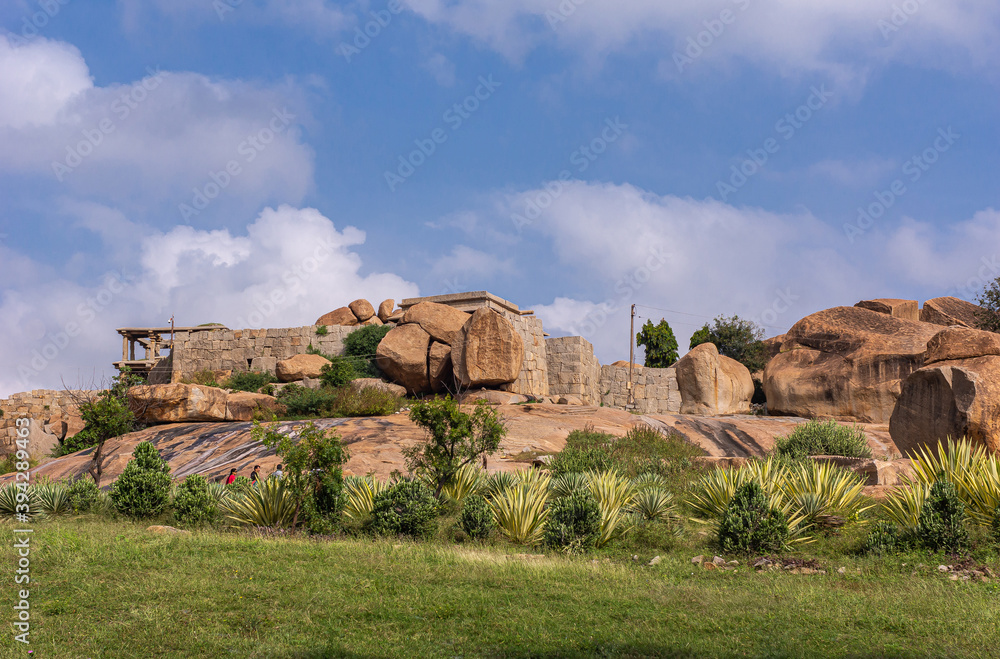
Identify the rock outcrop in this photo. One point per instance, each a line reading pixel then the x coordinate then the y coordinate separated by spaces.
pixel 439 320
pixel 711 383
pixel 487 351
pixel 358 312
pixel 402 355
pixel 961 343
pixel 245 406
pixel 439 367
pixel 360 384
pixel 385 310
pixel 362 309
pixel 178 403
pixel 949 311
pixel 905 309
pixel 845 362
pixel 341 316
pixel 300 367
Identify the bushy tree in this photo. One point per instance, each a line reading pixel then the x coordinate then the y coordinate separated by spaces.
pixel 454 438
pixel 660 344
pixel 338 372
pixel 884 538
pixel 737 339
pixel 476 518
pixel 143 489
pixel 749 525
pixel 941 526
pixel 988 315
pixel 574 522
pixel 83 495
pixel 406 508
pixel 823 438
pixel 360 346
pixel 194 505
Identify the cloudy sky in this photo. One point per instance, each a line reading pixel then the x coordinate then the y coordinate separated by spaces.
pixel 200 158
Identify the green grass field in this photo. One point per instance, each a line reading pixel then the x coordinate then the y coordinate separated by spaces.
pixel 112 589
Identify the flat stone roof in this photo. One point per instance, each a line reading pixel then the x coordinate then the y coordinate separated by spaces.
pixel 466 301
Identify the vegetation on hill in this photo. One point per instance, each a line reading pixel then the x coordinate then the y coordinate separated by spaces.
pixel 660 344
pixel 737 339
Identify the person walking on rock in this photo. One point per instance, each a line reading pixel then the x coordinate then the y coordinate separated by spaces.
pixel 232 477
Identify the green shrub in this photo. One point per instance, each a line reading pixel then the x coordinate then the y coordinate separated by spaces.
pixel 300 401
pixel 996 526
pixel 574 523
pixel 143 489
pixel 642 450
pixel 407 508
pixel 339 372
pixel 360 346
pixel 84 495
pixel 942 520
pixel 252 381
pixel 194 505
pixel 749 525
pixel 572 460
pixel 369 401
pixel 884 538
pixel 737 339
pixel 82 440
pixel 823 438
pixel 240 484
pixel 659 342
pixel 321 330
pixel 476 518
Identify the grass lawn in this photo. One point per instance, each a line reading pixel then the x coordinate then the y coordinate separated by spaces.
pixel 112 589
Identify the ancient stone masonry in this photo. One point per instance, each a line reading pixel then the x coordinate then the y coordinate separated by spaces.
pixel 533 380
pixel 44 406
pixel 573 370
pixel 656 390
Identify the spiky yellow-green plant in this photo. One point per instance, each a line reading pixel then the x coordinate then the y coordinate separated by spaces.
pixel 269 504
pixel 817 489
pixel 710 495
pixel 653 503
pixel 499 482
pixel 468 481
pixel 520 511
pixel 9 501
pixel 53 498
pixel 972 469
pixel 903 505
pixel 568 483
pixel 614 493
pixel 533 477
pixel 648 479
pixel 361 492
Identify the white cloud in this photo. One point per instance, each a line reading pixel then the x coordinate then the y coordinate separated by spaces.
pixel 441 68
pixel 38 80
pixel 291 266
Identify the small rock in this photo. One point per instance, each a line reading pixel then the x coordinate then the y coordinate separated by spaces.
pixel 953 577
pixel 635 557
pixel 655 560
pixel 698 560
pixel 710 566
pixel 733 563
pixel 942 568
pixel 841 570
pixel 718 560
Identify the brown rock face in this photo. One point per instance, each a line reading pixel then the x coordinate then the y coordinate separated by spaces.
pixel 487 351
pixel 949 311
pixel 244 406
pixel 905 309
pixel 439 320
pixel 300 367
pixel 439 365
pixel 961 343
pixel 373 321
pixel 385 309
pixel 845 362
pixel 341 316
pixel 773 345
pixel 374 383
pixel 402 355
pixel 178 403
pixel 711 383
pixel 362 309
pixel 959 398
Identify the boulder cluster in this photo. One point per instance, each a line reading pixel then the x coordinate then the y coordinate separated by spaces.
pixel 361 312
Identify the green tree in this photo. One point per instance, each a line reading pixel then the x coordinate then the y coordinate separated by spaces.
pixel 313 466
pixel 660 343
pixel 737 339
pixel 988 315
pixel 454 438
pixel 143 489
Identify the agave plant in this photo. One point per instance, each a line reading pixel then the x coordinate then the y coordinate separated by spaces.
pixel 9 501
pixel 468 481
pixel 534 477
pixel 269 504
pixel 974 472
pixel 568 483
pixel 361 492
pixel 53 498
pixel 904 504
pixel 520 511
pixel 218 492
pixel 499 483
pixel 653 503
pixel 649 480
pixel 818 490
pixel 710 495
pixel 614 493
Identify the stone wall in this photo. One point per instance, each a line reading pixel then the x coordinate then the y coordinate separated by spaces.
pixel 534 377
pixel 573 369
pixel 42 405
pixel 656 390
pixel 228 351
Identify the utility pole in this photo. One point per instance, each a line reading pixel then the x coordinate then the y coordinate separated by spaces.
pixel 631 359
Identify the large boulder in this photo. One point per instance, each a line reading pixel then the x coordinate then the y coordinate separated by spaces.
pixel 961 343
pixel 245 406
pixel 300 367
pixel 711 383
pixel 385 309
pixel 374 320
pixel 362 309
pixel 845 362
pixel 439 367
pixel 402 355
pixel 487 351
pixel 439 320
pixel 178 403
pixel 949 311
pixel 360 384
pixel 956 398
pixel 341 316
pixel 905 309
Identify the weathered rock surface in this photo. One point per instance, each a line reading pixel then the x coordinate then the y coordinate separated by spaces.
pixel 845 362
pixel 773 345
pixel 487 351
pixel 949 311
pixel 491 396
pixel 300 367
pixel 374 320
pixel 385 309
pixel 374 383
pixel 905 309
pixel 402 355
pixel 439 320
pixel 711 383
pixel 957 398
pixel 341 316
pixel 40 440
pixel 961 343
pixel 439 367
pixel 178 403
pixel 362 309
pixel 875 472
pixel 245 406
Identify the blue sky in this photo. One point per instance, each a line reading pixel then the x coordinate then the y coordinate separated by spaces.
pixel 575 157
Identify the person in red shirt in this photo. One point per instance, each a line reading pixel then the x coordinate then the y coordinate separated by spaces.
pixel 232 477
